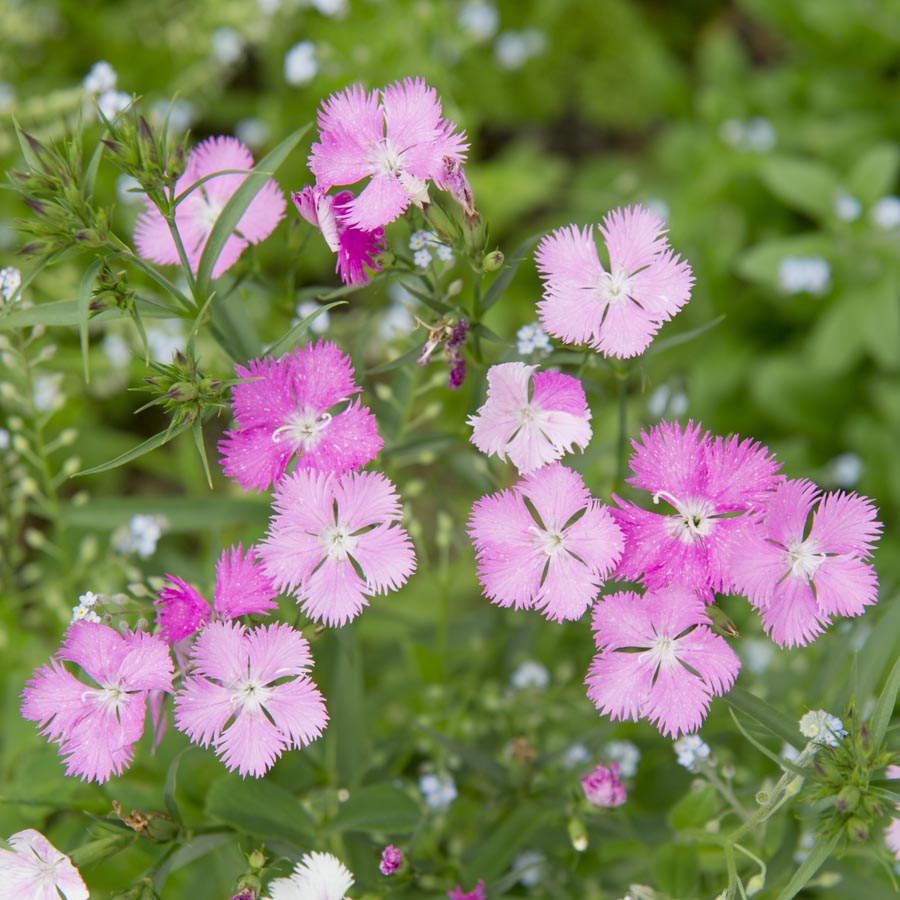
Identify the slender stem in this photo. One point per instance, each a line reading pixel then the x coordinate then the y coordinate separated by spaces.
pixel 725 790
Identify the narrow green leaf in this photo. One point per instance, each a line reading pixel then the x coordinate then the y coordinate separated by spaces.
pixel 483 331
pixel 237 206
pixel 197 431
pixel 408 357
pixel 292 337
pixel 437 305
pixel 233 329
pixel 884 708
pixel 781 725
pixel 676 339
pixel 160 279
pixel 881 648
pixel 196 848
pixel 503 841
pixel 260 808
pixel 380 807
pixel 57 312
pixel 346 735
pixel 158 440
pixel 90 173
pixel 84 312
pixel 477 759
pixel 506 274
pixel 818 856
pixel 170 786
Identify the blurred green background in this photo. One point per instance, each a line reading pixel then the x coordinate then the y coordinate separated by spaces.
pixel 765 132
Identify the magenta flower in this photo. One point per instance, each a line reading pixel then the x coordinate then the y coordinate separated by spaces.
pixel 618 311
pixel 544 544
pixel 35 870
pixel 391 860
pixel 356 249
pixel 249 695
pixel 96 726
pixel 477 892
pixel 334 542
pixel 602 786
pixel 531 431
pixel 241 588
pixel 658 659
pixel 708 483
pixel 198 212
pixel 398 140
pixel 799 572
pixel 286 411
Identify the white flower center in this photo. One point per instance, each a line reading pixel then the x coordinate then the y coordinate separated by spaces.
pixel 207 213
pixel 250 695
pixel 614 287
pixel 338 541
pixel 695 517
pixel 303 429
pixel 385 158
pixel 551 541
pixel 804 559
pixel 110 697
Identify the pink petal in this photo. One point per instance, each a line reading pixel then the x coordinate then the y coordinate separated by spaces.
pixel 334 593
pixel 381 201
pixel 241 585
pixel 180 610
pixel 624 331
pixel 619 684
pixel 152 238
pixel 846 523
pixel 386 557
pixel 98 649
pixel 845 586
pixel 253 459
pixel 792 617
pixel 298 709
pixel 568 590
pixel 202 709
pixel 678 701
pixel 634 238
pixel 277 651
pixel 251 744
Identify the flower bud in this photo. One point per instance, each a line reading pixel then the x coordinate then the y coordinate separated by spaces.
pixel 492 261
pixel 578 835
pixel 848 798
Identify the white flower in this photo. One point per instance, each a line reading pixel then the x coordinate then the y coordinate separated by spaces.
pixel 100 79
pixel 820 727
pixel 886 212
pixel 665 401
pixel 47 394
pixel 7 96
pixel 268 7
pixel 251 131
pixel 804 274
pixel 444 253
pixel 757 654
pixel 141 536
pixel 35 870
pixel 4 439
pixel 845 469
pixel 111 103
pixel 332 8
pixel 690 749
pixel 422 258
pixel 180 114
pixel 116 350
pixel 88 599
pixel 227 46
pixel 10 279
pixel 396 322
pixel 626 754
pixel 514 48
pixel 846 207
pixel 164 339
pixel 306 308
pixel 529 867
pixel 659 207
pixel 300 64
pixel 128 190
pixel 479 20
pixel 530 338
pixel 318 876
pixel 439 791
pixel 576 755
pixel 759 134
pixel 789 752
pixel 530 674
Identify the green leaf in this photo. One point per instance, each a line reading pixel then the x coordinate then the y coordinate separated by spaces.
pixel 880 650
pixel 237 206
pixel 158 440
pixel 506 274
pixel 408 357
pixel 837 338
pixel 881 314
pixel 781 725
pixel 874 173
pixel 498 849
pixel 819 854
pixel 695 809
pixel 57 312
pixel 259 807
pixel 684 337
pixel 292 337
pixel 195 848
pixel 884 708
pixel 90 173
pixel 170 786
pixel 676 870
pixel 805 185
pixel 234 329
pixel 84 312
pixel 477 759
pixel 346 735
pixel 381 807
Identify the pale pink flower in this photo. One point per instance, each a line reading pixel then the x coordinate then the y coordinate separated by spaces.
pixel 615 311
pixel 334 542
pixel 544 544
pixel 318 876
pixel 477 892
pixel 892 832
pixel 241 588
pixel 602 786
pixel 356 249
pixel 658 659
pixel 391 860
pixel 531 430
pixel 287 409
pixel 198 212
pixel 396 137
pixel 35 870
pixel 799 571
pixel 96 726
pixel 250 695
pixel 708 483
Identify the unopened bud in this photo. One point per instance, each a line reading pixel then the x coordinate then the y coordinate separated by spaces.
pixel 755 885
pixel 492 261
pixel 578 835
pixel 857 829
pixel 848 798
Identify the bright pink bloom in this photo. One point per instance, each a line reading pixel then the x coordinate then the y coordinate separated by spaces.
pixel 548 561
pixel 356 249
pixel 35 870
pixel 618 311
pixel 334 542
pixel 658 659
pixel 391 860
pixel 96 727
pixel 397 139
pixel 602 786
pixel 198 212
pixel 535 430
pixel 477 892
pixel 284 412
pixel 241 588
pixel 799 573
pixel 250 695
pixel 708 482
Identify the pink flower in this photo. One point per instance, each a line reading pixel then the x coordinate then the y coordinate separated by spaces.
pixel 334 542
pixel 658 659
pixel 356 249
pixel 398 140
pixel 544 544
pixel 892 832
pixel 35 870
pixel 618 311
pixel 477 892
pixel 602 786
pixel 391 860
pixel 799 572
pixel 531 431
pixel 198 212
pixel 284 412
pixel 241 588
pixel 249 695
pixel 96 727
pixel 708 482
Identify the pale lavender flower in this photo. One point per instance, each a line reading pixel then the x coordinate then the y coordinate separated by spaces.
pixel 35 870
